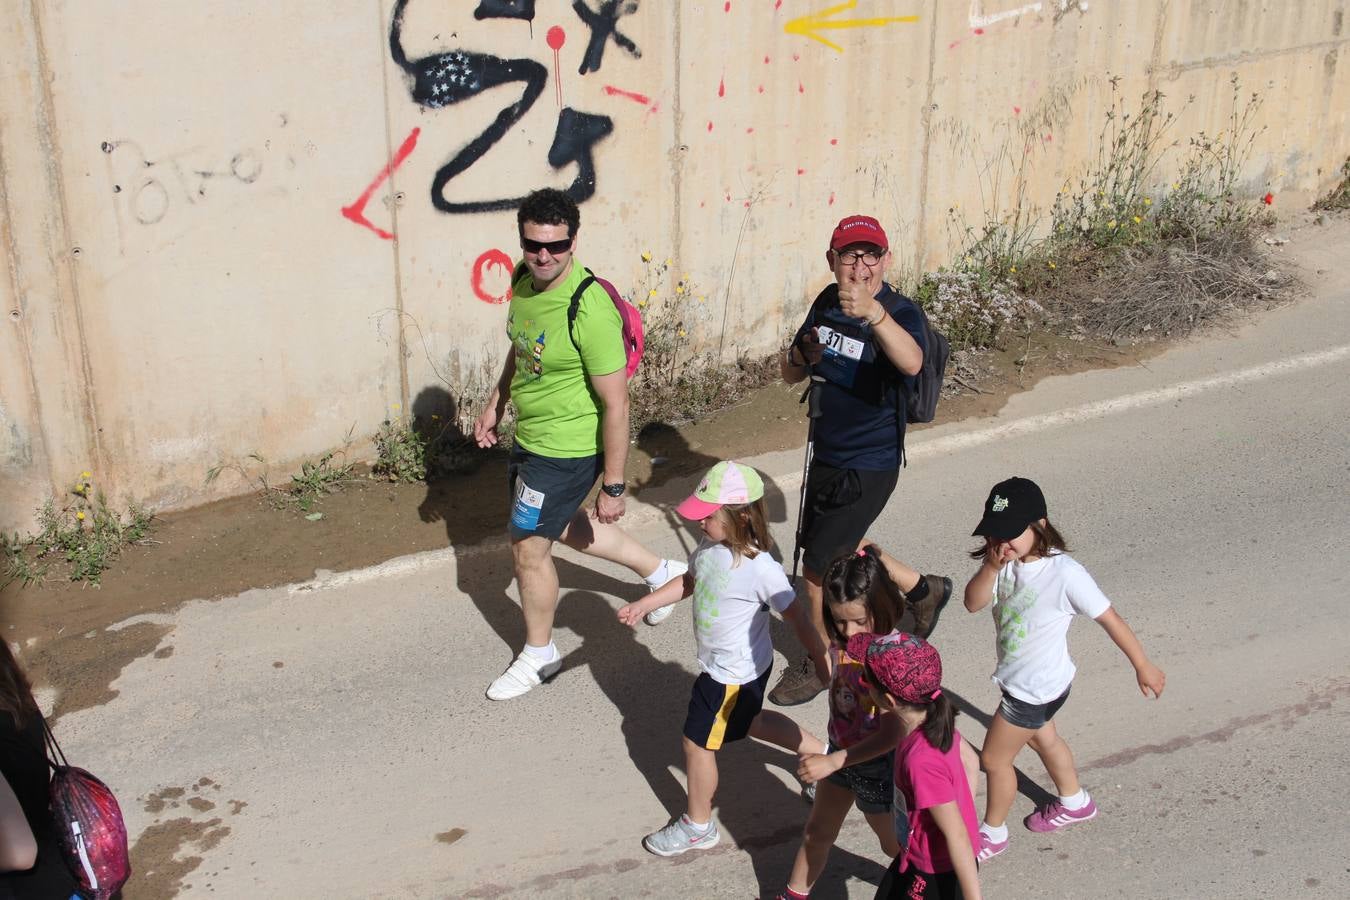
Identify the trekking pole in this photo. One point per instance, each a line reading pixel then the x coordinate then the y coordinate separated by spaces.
pixel 811 397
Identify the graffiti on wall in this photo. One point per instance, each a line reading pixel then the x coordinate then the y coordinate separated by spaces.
pixel 446 78
pixel 812 24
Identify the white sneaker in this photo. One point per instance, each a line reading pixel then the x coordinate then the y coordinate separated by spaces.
pixel 676 570
pixel 524 674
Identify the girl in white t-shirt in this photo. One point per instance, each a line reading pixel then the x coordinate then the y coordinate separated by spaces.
pixel 734 582
pixel 1036 589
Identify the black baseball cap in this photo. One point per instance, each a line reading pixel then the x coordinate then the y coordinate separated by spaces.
pixel 1012 506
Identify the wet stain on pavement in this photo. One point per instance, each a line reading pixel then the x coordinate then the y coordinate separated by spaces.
pixel 164 652
pixel 155 857
pixel 1318 700
pixel 449 837
pixel 164 798
pixel 85 666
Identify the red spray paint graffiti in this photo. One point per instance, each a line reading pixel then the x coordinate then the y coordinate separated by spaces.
pixel 613 91
pixel 500 264
pixel 357 211
pixel 556 37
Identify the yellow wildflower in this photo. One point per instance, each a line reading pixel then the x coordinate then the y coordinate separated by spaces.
pixel 1013 270
pixel 86 475
pixel 683 332
pixel 397 407
pixel 1050 264
pixel 1111 224
pixel 1175 185
pixel 642 304
pixel 1137 220
pixel 80 516
pixel 646 256
pixel 1148 202
pixel 679 289
pixel 652 292
pixel 668 262
pixel 701 299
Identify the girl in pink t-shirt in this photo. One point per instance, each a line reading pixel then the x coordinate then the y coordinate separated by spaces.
pixel 932 787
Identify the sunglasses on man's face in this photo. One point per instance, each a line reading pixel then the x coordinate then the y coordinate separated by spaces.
pixel 553 247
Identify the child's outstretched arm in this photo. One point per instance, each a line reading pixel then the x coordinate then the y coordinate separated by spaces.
pixel 980 588
pixel 672 591
pixel 810 638
pixel 812 767
pixel 1149 676
pixel 947 817
pixel 905 578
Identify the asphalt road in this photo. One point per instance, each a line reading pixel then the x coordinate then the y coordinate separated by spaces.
pixel 333 739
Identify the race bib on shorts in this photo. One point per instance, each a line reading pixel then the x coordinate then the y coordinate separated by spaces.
pixel 900 818
pixel 841 356
pixel 525 511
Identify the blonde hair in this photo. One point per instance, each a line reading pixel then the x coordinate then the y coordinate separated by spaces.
pixel 747 527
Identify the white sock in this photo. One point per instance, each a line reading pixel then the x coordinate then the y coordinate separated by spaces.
pixel 1076 802
pixel 547 653
pixel 660 576
pixel 997 834
pixel 696 826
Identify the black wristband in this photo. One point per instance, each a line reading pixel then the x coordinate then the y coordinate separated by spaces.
pixel 613 490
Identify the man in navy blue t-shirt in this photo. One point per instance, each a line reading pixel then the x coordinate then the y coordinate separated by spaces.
pixel 863 341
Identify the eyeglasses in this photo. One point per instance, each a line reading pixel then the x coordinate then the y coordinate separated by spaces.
pixel 553 247
pixel 866 257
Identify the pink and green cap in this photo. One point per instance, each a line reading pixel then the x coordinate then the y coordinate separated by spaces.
pixel 726 483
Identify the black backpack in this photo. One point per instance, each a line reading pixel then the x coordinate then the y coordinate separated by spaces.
pixel 921 403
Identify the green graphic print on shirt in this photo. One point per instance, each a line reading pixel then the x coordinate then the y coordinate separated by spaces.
pixel 1010 613
pixel 708 587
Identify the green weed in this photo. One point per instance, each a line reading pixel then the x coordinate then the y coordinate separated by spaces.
pixel 1339 196
pixel 81 538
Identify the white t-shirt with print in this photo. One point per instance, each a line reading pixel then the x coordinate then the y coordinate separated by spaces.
pixel 1034 604
pixel 731 611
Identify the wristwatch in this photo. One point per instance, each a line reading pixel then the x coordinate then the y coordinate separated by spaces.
pixel 613 490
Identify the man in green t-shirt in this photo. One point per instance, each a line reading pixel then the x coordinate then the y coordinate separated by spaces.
pixel 570 388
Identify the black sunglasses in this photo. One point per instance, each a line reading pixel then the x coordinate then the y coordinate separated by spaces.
pixel 553 247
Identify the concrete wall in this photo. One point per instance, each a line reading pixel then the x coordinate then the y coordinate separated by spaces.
pixel 247 227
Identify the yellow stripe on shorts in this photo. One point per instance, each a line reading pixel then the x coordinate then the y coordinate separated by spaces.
pixel 719 726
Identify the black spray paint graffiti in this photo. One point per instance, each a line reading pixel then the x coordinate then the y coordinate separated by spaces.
pixel 150 187
pixel 505 9
pixel 604 24
pixel 444 79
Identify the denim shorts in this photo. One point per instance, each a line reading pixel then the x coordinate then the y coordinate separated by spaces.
pixel 869 781
pixel 1030 715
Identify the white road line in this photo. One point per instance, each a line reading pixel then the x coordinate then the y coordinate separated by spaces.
pixel 1103 408
pixel 642 514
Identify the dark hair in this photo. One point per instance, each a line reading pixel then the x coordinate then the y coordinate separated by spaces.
pixel 549 206
pixel 748 528
pixel 16 692
pixel 1048 541
pixel 939 720
pixel 862 575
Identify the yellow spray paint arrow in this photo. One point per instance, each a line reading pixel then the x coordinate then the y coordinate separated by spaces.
pixel 810 24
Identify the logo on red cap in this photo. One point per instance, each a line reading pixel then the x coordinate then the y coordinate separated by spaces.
pixel 858 230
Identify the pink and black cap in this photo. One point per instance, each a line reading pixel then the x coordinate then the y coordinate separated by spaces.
pixel 905 666
pixel 727 483
pixel 858 230
pixel 1012 506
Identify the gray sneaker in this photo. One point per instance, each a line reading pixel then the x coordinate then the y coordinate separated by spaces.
pixel 798 685
pixel 680 837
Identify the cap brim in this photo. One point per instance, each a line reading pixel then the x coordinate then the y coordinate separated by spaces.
pixel 696 510
pixel 999 528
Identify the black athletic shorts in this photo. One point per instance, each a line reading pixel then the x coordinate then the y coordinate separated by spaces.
pixel 722 713
pixel 912 884
pixel 841 504
pixel 546 491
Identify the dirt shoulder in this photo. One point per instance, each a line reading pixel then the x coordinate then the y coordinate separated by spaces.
pixel 223 549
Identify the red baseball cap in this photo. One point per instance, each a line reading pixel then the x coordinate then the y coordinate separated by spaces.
pixel 858 230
